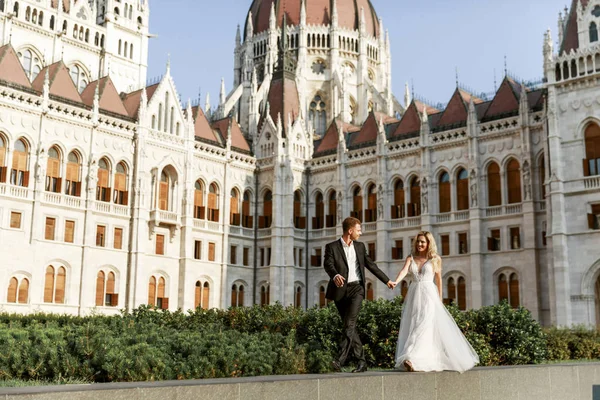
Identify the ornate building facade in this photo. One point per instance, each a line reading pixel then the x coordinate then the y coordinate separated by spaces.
pixel 113 194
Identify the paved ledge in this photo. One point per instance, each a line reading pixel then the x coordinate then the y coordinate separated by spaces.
pixel 547 382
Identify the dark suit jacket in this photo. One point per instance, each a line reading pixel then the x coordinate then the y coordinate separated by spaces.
pixel 336 263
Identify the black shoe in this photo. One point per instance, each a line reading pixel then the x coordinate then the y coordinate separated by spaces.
pixel 361 367
pixel 337 367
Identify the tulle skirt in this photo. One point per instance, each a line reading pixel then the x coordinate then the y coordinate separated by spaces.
pixel 429 337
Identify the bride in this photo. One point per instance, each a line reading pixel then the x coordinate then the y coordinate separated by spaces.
pixel 429 339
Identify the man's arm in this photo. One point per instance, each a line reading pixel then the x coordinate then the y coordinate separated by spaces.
pixel 329 265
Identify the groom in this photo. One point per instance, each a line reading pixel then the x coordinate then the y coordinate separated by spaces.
pixel 345 262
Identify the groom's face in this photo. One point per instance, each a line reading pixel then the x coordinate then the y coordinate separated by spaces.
pixel 355 232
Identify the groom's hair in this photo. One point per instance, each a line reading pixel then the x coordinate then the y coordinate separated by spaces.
pixel 349 223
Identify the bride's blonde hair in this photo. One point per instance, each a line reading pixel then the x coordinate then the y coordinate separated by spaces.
pixel 432 251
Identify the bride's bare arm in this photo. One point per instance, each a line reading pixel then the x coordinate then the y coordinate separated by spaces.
pixel 438 278
pixel 403 271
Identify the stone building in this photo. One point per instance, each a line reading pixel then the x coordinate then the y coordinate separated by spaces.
pixel 113 194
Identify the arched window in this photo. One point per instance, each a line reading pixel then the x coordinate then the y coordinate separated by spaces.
pixel 371 211
pixel 317 115
pixel 160 116
pixel 121 195
pixel 299 220
pixel 298 297
pixel 494 186
pixel 398 209
pixel 125 49
pixel 154 122
pixel 247 220
pixel 318 220
pixel 73 181
pixel 462 294
pixel 199 210
pixel 166 116
pixel 131 51
pixel 357 203
pixel 331 218
pixel 593 32
pixel 414 207
pixel 54 285
pixel 120 46
pixel 19 175
pixel 213 203
pixel 513 178
pixel 444 192
pixel 2 5
pixel 28 14
pixel 117 11
pixel 34 16
pixel 105 290
pixel 87 35
pixel 157 293
pixel 79 77
pixel 264 221
pixel 97 39
pixel 322 299
pixel 52 22
pixel 370 292
pixel 202 295
pixel 502 287
pixel 65 26
pixel 53 179
pixel 102 41
pixel 591 164
pixel 31 63
pixel 18 291
pixel 163 191
pixel 514 291
pixel 41 19
pixel 265 295
pixel 3 153
pixel 237 296
pixel 451 291
pixel 234 207
pixel 462 190
pixel 172 120
pixel 103 189
pixel 75 31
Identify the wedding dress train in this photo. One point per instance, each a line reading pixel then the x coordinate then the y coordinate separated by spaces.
pixel 429 337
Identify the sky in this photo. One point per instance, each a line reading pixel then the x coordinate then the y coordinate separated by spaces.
pixel 432 41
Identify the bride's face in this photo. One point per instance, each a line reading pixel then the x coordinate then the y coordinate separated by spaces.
pixel 421 244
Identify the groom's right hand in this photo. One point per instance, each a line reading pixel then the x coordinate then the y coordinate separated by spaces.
pixel 338 280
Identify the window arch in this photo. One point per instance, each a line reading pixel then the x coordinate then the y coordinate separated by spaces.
pixel 16 9
pixel 18 290
pixel 234 207
pixel 299 220
pixel 34 16
pixel 513 178
pixel 79 76
pixel 462 293
pixel 247 219
pixel 73 181
pixel 371 211
pixel 157 292
pixel 53 179
pixel 213 202
pixel 398 209
pixel 451 287
pixel 120 47
pixel 3 154
pixel 65 26
pixel 494 186
pixel 331 218
pixel 105 290
pixel 264 221
pixel 202 295
pixel 52 22
pixel 2 5
pixel 591 164
pixel 265 295
pixel 54 285
pixel 27 13
pixel 456 288
pixel 121 195
pixel 593 32
pixel 31 63
pixel 318 220
pixel 103 189
pixel 462 190
pixel 322 298
pixel 163 191
pixel 237 295
pixel 199 210
pixel 317 115
pixel 131 51
pixel 125 49
pixel 298 297
pixel 414 207
pixel 357 203
pixel 508 288
pixel 370 291
pixel 41 18
pixel 19 175
pixel 444 192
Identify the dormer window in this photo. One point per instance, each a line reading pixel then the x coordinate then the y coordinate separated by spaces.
pixel 593 32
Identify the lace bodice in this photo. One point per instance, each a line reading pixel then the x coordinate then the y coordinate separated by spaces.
pixel 425 274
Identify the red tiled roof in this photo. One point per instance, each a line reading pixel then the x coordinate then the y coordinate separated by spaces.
pixel 330 139
pixel 456 111
pixel 11 69
pixel 132 100
pixel 535 98
pixel 367 133
pixel 506 99
pixel 61 83
pixel 410 122
pixel 284 100
pixel 430 109
pixel 109 98
pixel 571 36
pixel 318 12
pixel 202 128
pixel 237 138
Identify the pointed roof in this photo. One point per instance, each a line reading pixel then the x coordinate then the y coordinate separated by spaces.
pixel 283 99
pixel 367 133
pixel 238 141
pixel 410 122
pixel 132 100
pixel 535 99
pixel 11 69
pixel 202 129
pixel 330 140
pixel 109 98
pixel 571 35
pixel 61 84
pixel 457 110
pixel 506 100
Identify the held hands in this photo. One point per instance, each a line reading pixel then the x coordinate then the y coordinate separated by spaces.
pixel 391 284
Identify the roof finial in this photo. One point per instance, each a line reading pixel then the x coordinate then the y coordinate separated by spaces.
pixel 207 104
pixel 238 37
pixel 222 97
pixel 456 69
pixel 495 84
pixel 249 26
pixel 505 67
pixel 406 95
pixel 199 94
pixel 168 63
pixel 272 20
pixel 303 12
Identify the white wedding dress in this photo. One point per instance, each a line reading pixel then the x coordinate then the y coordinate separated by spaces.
pixel 429 338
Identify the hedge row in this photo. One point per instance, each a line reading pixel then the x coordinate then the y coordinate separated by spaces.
pixel 149 344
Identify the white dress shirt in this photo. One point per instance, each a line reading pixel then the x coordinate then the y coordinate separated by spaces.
pixel 350 251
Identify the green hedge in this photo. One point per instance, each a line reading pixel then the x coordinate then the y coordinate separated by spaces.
pixel 149 344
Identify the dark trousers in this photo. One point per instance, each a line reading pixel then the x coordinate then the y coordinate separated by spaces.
pixel 349 307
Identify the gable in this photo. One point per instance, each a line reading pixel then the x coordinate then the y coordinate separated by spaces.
pixel 11 69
